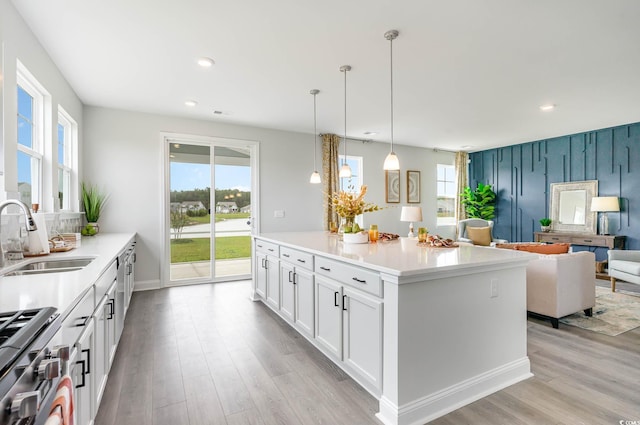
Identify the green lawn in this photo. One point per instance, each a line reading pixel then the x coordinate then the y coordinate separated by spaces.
pixel 219 217
pixel 197 249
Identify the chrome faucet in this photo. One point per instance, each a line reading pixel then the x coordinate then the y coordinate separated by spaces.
pixel 30 225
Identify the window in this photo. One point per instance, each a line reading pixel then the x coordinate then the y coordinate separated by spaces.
pixel 67 136
pixel 30 139
pixel 446 191
pixel 353 183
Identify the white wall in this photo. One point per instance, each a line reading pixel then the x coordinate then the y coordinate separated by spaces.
pixel 123 155
pixel 18 42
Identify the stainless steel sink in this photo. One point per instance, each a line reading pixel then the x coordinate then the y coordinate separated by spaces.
pixel 50 266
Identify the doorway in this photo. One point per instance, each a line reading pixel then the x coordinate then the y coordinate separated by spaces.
pixel 210 203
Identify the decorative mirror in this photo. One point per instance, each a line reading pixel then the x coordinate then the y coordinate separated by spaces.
pixel 571 206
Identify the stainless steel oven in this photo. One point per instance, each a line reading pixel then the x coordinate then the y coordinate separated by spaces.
pixel 31 364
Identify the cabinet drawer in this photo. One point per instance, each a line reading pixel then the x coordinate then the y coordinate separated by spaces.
pixel 555 239
pixel 298 258
pixel 266 247
pixel 357 277
pixel 105 280
pixel 588 240
pixel 74 323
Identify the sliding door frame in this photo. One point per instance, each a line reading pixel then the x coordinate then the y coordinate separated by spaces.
pixel 166 139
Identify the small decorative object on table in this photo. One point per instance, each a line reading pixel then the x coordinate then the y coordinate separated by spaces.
pixel 348 205
pixel 373 233
pixel 438 242
pixel 422 234
pixel 545 224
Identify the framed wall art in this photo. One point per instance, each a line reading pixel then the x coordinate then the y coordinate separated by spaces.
pixel 392 186
pixel 413 187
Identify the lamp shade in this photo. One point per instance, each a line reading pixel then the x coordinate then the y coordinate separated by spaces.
pixel 411 214
pixel 605 204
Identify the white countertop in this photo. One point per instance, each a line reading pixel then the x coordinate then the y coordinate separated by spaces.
pixel 62 290
pixel 402 257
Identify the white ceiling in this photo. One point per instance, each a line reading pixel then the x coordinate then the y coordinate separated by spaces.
pixel 466 72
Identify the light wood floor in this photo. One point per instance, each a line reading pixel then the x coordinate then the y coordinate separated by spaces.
pixel 207 355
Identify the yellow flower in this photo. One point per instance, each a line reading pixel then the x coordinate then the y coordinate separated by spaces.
pixel 347 204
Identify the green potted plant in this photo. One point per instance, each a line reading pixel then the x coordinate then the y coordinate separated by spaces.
pixel 545 224
pixel 479 203
pixel 93 201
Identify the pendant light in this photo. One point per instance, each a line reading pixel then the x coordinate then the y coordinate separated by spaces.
pixel 391 162
pixel 315 176
pixel 345 170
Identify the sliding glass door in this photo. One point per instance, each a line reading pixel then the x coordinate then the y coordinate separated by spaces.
pixel 208 231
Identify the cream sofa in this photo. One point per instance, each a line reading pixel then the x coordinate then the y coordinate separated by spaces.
pixel 624 265
pixel 561 284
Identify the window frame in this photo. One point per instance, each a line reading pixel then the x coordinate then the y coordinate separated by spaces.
pixel 448 220
pixel 68 166
pixel 29 85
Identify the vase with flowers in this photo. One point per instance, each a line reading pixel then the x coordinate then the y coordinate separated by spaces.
pixel 348 205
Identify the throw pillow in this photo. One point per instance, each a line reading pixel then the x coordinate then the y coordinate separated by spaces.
pixel 479 235
pixel 554 248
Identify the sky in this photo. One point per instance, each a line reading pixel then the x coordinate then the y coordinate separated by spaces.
pixel 185 176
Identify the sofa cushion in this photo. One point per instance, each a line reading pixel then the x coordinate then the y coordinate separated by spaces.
pixel 555 248
pixel 479 235
pixel 630 267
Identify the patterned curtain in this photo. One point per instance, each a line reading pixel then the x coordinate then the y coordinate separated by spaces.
pixel 330 181
pixel 462 160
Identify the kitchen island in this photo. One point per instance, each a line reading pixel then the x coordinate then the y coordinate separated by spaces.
pixel 425 330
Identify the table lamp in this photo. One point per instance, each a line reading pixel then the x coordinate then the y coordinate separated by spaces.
pixel 604 204
pixel 411 214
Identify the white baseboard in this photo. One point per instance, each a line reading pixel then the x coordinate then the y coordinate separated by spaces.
pixel 438 404
pixel 146 285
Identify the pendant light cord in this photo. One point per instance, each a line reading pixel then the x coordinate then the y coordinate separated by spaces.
pixel 391 62
pixel 315 134
pixel 345 116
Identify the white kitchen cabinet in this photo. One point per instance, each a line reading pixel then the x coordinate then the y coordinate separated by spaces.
pixel 328 315
pixel 261 275
pixel 82 374
pixel 100 356
pixel 273 281
pixel 349 327
pixel 111 334
pixel 362 335
pixel 304 296
pixel 288 292
pixel 297 295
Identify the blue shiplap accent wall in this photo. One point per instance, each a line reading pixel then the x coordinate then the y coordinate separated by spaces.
pixel 521 176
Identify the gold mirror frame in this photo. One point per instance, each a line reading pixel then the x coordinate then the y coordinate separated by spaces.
pixel 590 222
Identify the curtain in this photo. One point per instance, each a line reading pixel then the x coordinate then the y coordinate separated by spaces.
pixel 462 163
pixel 330 181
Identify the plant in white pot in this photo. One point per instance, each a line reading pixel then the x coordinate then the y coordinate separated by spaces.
pixel 93 201
pixel 545 224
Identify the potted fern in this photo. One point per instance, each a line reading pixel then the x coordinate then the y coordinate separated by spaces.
pixel 93 202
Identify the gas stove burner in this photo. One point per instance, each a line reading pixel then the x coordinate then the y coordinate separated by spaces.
pixel 18 330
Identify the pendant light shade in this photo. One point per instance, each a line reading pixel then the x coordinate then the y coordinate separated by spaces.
pixel 315 176
pixel 391 162
pixel 345 170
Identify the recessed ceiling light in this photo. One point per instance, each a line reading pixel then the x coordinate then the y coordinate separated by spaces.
pixel 190 102
pixel 466 147
pixel 369 133
pixel 547 107
pixel 205 62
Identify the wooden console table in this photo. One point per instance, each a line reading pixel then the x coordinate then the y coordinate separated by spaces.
pixel 606 241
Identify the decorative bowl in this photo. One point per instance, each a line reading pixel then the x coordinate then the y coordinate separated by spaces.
pixel 361 237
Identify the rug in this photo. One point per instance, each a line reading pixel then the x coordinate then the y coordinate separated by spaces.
pixel 614 313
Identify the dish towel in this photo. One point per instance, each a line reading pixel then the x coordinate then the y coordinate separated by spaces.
pixel 61 412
